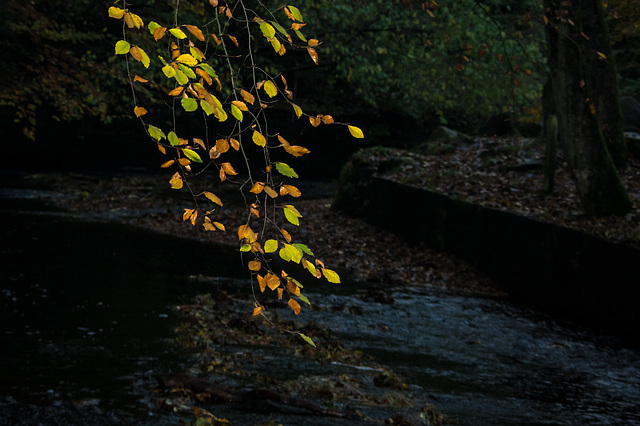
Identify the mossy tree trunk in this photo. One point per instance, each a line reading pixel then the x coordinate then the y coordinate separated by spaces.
pixel 579 128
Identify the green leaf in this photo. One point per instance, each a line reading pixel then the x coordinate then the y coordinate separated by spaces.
pixel 303 248
pixel 300 36
pixel 245 247
pixel 296 13
pixel 152 26
pixel 192 155
pixel 189 104
pixel 279 27
pixel 181 78
pixel 173 139
pixel 286 170
pixel 270 246
pixel 187 71
pixel 304 299
pixel 235 111
pixel 156 133
pixel 209 70
pixel 169 71
pixel 331 276
pixel 122 47
pixel 178 33
pixel 307 339
pixel 311 268
pixel 206 107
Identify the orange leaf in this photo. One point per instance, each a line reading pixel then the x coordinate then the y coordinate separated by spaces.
pixel 140 79
pixel 139 111
pixel 315 121
pixel 167 164
pixel 234 144
pixel 327 119
pixel 228 169
pixel 177 91
pixel 293 288
pixel 159 32
pixel 195 31
pixel 257 310
pixel 222 146
pixel 273 281
pixel 270 192
pixel 296 151
pixel 248 97
pixel 213 197
pixel 286 235
pixel 257 188
pixel 295 306
pixel 262 282
pixel 280 291
pixel 187 213
pixel 313 54
pixel 233 39
pixel 292 190
pixel 254 265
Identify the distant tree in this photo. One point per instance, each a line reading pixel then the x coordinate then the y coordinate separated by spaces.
pixel 585 92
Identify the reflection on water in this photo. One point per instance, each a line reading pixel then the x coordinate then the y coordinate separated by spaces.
pixel 85 321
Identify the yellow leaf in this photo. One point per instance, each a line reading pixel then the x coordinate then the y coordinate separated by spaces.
pixel 219 225
pixel 254 265
pixel 208 225
pixel 258 139
pixel 270 246
pixel 187 214
pixel 187 59
pixel 116 12
pixel 137 21
pixel 139 111
pixel 176 183
pixel 602 55
pixel 270 88
pixel 355 132
pixel 331 276
pixel 297 110
pixel 213 197
pixel 295 306
pixel 248 97
pixel 195 31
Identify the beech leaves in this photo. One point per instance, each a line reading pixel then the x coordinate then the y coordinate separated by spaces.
pixel 186 65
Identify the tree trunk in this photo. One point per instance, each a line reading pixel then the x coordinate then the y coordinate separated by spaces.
pixel 604 81
pixel 599 187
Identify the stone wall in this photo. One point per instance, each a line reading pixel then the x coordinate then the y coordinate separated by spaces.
pixel 567 273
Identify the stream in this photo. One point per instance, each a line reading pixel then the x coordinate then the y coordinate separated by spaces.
pixel 87 327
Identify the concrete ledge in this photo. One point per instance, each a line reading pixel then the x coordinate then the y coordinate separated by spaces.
pixel 567 273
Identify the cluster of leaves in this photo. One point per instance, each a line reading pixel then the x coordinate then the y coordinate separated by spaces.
pixel 454 60
pixel 210 71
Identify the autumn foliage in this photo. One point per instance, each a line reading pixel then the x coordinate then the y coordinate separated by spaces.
pixel 210 71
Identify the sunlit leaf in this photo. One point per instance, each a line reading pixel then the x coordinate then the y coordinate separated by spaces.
pixel 297 110
pixel 189 104
pixel 233 40
pixel 270 246
pixel 169 71
pixel 173 139
pixel 248 97
pixel 296 150
pixel 156 133
pixel 270 88
pixel 167 164
pixel 293 13
pixel 267 29
pixel 295 306
pixel 206 107
pixel 176 183
pixel 181 77
pixel 192 155
pixel 270 192
pixel 228 169
pixel 159 32
pixel 209 70
pixel 355 132
pixel 187 59
pixel 327 119
pixel 262 282
pixel 187 71
pixel 222 146
pixel 139 111
pixel 292 190
pixel 307 339
pixel 139 79
pixel 257 310
pixel 234 143
pixel 245 248
pixel 213 197
pixel 241 105
pixel 257 188
pixel 178 33
pixel 116 12
pixel 293 289
pixel 285 170
pixel 331 276
pixel 235 111
pixel 303 248
pixel 299 35
pixel 258 139
pixel 313 54
pixel 122 47
pixel 273 281
pixel 291 217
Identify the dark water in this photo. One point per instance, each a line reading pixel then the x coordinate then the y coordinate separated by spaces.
pixel 86 328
